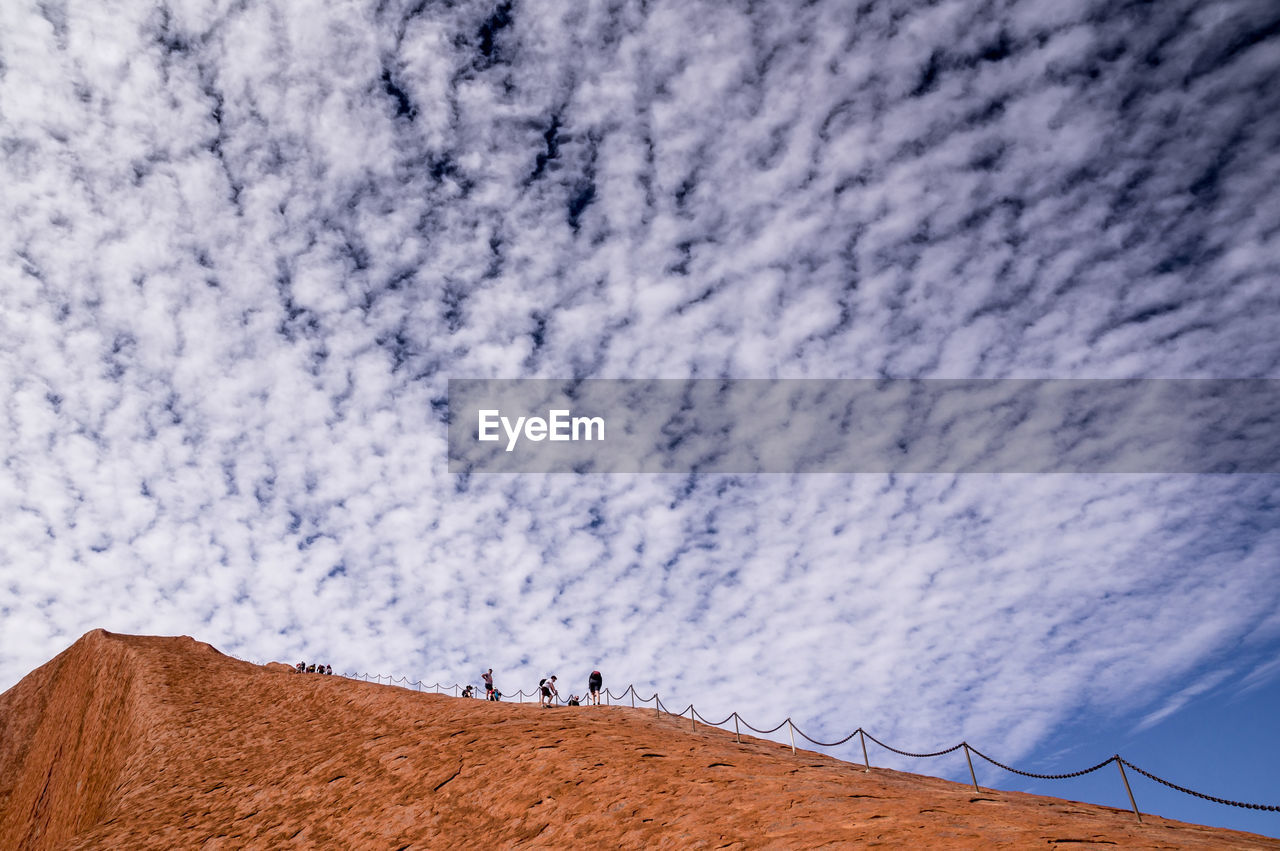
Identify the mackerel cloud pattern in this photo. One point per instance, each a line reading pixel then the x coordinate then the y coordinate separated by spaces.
pixel 246 245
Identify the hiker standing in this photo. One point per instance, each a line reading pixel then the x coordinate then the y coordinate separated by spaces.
pixel 594 683
pixel 487 676
pixel 548 689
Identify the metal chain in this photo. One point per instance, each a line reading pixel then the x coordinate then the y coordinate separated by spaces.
pixel 1089 770
pixel 714 723
pixel 663 708
pixel 1183 789
pixel 763 732
pixel 916 755
pixel 952 749
pixel 824 744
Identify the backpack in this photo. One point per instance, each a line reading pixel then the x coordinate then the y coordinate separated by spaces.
pixel 542 682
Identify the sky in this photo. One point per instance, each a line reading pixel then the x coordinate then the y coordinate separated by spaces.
pixel 245 246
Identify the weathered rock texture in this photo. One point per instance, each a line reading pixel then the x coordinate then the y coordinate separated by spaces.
pixel 141 742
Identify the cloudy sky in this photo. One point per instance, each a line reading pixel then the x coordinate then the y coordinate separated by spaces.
pixel 244 246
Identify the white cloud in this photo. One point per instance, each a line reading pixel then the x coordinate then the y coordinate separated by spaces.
pixel 235 279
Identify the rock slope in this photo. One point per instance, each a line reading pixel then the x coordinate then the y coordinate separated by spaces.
pixel 144 742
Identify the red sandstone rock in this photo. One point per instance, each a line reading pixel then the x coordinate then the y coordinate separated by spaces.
pixel 141 742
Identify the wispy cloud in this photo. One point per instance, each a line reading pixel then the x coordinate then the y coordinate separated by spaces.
pixel 1182 697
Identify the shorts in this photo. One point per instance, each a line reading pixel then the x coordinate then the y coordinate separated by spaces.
pixel 546 692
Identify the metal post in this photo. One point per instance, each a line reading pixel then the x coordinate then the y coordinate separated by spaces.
pixel 791 728
pixel 455 690
pixel 736 733
pixel 693 722
pixel 632 689
pixel 969 759
pixel 657 711
pixel 1132 802
pixel 866 762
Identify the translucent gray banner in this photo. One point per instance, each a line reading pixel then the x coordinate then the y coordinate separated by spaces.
pixel 864 426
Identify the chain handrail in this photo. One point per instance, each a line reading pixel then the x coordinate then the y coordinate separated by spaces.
pixel 822 744
pixel 763 732
pixel 698 715
pixel 1264 807
pixel 661 707
pixel 1066 776
pixel 909 753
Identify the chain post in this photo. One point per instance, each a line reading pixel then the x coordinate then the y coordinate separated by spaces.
pixel 693 722
pixel 632 689
pixel 1125 779
pixel 969 760
pixel 792 729
pixel 737 734
pixel 866 762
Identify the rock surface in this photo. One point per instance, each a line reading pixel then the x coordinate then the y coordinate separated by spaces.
pixel 143 742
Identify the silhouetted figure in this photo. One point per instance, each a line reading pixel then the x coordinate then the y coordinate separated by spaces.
pixel 594 683
pixel 573 700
